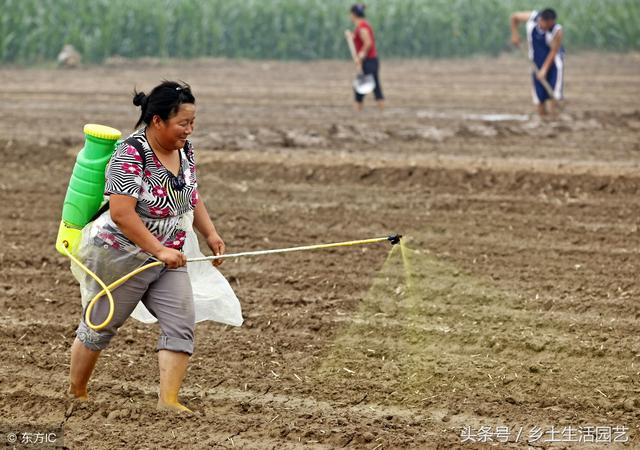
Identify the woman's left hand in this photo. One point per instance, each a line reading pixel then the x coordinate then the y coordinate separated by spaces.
pixel 541 74
pixel 216 244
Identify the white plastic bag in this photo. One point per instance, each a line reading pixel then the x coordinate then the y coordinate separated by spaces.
pixel 213 297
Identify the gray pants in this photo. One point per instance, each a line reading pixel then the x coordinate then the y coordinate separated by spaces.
pixel 167 295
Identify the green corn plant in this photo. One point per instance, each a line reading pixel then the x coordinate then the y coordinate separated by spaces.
pixel 33 31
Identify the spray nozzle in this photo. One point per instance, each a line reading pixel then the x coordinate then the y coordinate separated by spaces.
pixel 394 239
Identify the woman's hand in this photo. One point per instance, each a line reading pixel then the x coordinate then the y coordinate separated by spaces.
pixel 216 244
pixel 542 73
pixel 202 222
pixel 171 257
pixel 515 39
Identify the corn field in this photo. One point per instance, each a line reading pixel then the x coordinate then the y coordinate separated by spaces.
pixel 34 31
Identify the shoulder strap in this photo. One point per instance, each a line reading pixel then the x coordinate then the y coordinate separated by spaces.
pixel 132 141
pixel 103 208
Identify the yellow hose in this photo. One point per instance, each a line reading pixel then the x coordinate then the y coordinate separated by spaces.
pixel 106 290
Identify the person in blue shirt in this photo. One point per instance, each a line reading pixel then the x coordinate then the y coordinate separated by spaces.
pixel 544 37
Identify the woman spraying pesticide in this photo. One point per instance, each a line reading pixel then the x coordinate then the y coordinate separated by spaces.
pixel 153 201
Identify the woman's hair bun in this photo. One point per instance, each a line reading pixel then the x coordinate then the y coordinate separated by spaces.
pixel 139 98
pixel 358 9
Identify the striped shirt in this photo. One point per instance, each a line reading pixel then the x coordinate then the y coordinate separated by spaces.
pixel 162 197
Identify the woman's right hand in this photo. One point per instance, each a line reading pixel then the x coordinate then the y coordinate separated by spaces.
pixel 515 40
pixel 171 257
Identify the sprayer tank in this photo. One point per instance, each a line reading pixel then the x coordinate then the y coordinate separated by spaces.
pixel 86 187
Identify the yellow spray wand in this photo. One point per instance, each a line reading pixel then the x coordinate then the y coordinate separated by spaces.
pixel 394 239
pixel 106 290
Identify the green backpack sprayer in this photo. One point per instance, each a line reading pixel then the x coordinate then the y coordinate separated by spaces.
pixel 86 187
pixel 85 196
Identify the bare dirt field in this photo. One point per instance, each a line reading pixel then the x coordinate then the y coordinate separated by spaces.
pixel 515 303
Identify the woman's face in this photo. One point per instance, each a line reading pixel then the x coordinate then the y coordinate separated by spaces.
pixel 173 132
pixel 546 25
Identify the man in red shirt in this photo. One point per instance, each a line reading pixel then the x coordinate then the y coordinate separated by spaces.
pixel 367 55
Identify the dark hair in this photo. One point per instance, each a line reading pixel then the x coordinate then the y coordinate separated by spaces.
pixel 358 9
pixel 164 100
pixel 548 14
